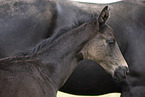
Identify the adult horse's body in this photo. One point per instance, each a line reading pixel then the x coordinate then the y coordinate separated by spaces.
pixel 127 19
pixel 46 68
pixel 23 23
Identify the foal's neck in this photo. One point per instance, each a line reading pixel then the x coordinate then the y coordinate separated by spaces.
pixel 61 54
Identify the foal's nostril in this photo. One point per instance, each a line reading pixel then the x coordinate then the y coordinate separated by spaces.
pixel 121 73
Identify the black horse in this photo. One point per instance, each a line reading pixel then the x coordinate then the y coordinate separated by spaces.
pixel 127 19
pixel 24 23
pixel 130 20
pixel 48 65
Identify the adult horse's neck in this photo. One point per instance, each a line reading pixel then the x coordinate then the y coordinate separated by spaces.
pixel 61 53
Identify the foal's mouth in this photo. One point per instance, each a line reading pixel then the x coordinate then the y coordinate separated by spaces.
pixel 121 73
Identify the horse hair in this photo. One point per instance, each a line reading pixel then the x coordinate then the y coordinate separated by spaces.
pixel 61 31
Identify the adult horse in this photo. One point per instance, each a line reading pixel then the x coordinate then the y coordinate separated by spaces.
pixel 127 19
pixel 24 23
pixel 48 65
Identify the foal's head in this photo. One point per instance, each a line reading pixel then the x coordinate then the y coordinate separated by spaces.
pixel 104 49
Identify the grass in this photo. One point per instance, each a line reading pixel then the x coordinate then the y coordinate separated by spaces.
pixel 60 94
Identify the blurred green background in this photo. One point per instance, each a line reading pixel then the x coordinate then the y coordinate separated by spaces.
pixel 60 94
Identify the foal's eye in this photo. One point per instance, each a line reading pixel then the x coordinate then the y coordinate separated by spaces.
pixel 111 41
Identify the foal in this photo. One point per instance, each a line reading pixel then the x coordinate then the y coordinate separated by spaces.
pixel 43 71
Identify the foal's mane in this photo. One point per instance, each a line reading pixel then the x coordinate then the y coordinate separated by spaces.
pixel 61 31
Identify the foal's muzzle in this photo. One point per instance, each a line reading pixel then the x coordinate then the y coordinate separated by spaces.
pixel 120 73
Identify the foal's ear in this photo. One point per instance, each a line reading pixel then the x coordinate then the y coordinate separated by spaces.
pixel 103 15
